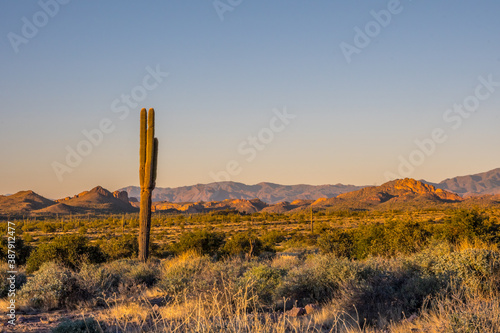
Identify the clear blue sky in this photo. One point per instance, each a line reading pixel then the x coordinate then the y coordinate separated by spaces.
pixel 354 121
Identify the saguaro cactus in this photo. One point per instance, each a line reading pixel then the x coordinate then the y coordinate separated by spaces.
pixel 147 174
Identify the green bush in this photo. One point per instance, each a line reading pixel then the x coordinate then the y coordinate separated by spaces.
pixel 243 243
pixel 338 242
pixel 263 282
pixel 180 274
pixel 126 246
pixel 318 278
pixel 134 272
pixel 48 227
pixel 200 241
pixel 51 287
pixel 98 281
pixel 469 225
pixel 89 325
pixel 476 269
pixel 389 239
pixel 386 290
pixel 271 238
pixel 69 250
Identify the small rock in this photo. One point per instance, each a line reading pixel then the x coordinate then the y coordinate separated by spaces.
pixel 296 312
pixel 412 318
pixel 310 308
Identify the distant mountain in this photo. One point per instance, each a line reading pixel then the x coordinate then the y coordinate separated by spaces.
pixel 267 192
pixel 478 184
pixel 397 194
pixel 481 189
pixel 99 200
pixel 23 202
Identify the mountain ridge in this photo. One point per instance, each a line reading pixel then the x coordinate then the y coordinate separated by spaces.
pixel 270 193
pixel 477 184
pixel 477 189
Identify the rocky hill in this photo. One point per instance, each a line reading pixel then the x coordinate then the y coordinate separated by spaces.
pixel 397 194
pixel 100 200
pixel 23 202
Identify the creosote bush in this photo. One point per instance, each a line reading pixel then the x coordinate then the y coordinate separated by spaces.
pixel 126 246
pixel 53 286
pixel 179 274
pixel 200 241
pixel 69 250
pixel 263 281
pixel 243 244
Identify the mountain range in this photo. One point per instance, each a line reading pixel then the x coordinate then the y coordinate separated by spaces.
pixel 478 189
pixel 478 184
pixel 267 192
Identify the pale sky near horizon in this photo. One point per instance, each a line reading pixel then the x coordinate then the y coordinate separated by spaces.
pixel 361 81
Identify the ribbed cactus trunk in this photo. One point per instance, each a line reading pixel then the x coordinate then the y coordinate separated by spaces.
pixel 147 174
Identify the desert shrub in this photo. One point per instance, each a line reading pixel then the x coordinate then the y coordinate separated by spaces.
pixel 126 246
pixel 285 261
pixel 271 238
pixel 98 280
pixel 405 237
pixel 387 289
pixel 389 239
pixel 230 269
pixel 69 250
pixel 22 250
pixel 135 272
pixel 178 275
pixel 469 225
pixel 89 325
pixel 370 240
pixel 5 284
pixel 337 241
pixel 300 240
pixel 145 273
pixel 48 227
pixel 243 243
pixel 426 259
pixel 476 269
pixel 200 241
pixel 52 286
pixel 263 282
pixel 318 278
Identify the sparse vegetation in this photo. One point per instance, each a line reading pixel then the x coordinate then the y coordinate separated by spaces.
pixel 360 271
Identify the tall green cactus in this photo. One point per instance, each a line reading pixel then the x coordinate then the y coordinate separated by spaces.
pixel 147 175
